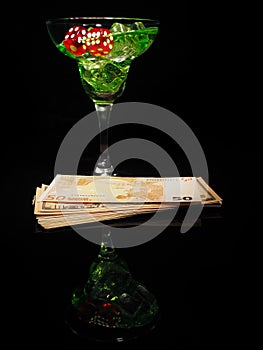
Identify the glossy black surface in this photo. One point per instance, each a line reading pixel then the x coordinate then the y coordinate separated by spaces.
pixel 204 280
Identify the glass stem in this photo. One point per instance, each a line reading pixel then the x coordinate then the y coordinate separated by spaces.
pixel 107 249
pixel 103 166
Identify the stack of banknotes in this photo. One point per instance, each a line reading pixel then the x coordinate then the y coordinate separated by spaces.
pixel 77 199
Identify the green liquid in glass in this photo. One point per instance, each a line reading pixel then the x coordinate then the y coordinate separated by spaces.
pixel 104 77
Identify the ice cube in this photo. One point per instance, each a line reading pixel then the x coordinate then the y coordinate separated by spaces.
pixel 137 26
pixel 130 41
pixel 102 75
pixel 119 28
pixel 124 44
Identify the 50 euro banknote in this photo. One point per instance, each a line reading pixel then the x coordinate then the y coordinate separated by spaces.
pixel 99 189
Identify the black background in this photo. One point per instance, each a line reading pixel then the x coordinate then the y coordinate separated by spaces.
pixel 194 69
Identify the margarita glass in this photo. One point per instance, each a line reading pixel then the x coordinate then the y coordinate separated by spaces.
pixel 103 48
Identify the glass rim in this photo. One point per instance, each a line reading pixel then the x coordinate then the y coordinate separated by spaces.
pixel 76 18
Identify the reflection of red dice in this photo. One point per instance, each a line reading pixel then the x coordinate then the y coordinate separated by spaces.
pixel 74 40
pixel 99 41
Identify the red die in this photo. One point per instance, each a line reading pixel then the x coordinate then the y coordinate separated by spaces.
pixel 99 41
pixel 75 40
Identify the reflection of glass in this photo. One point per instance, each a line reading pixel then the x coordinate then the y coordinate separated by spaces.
pixel 104 49
pixel 111 306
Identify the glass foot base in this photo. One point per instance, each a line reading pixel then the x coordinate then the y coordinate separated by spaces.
pixel 111 172
pixel 98 171
pixel 111 305
pixel 105 334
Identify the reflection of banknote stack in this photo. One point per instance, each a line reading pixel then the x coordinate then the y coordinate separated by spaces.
pixel 74 199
